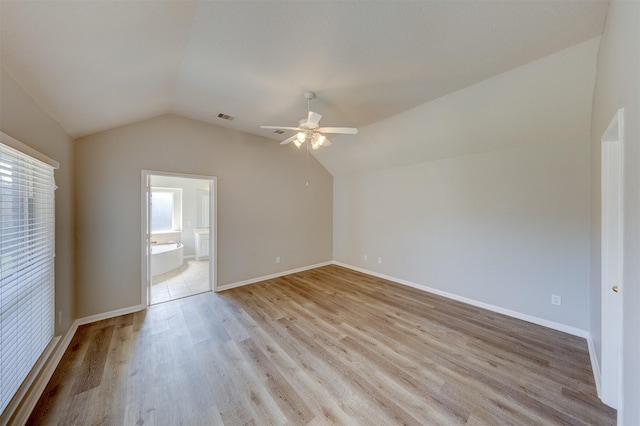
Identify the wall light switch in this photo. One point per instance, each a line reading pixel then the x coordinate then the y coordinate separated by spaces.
pixel 556 300
pixel 365 257
pixel 278 259
pixel 379 260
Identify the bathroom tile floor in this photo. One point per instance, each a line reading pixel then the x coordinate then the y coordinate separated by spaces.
pixel 189 279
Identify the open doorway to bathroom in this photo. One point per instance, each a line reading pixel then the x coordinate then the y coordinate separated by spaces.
pixel 178 235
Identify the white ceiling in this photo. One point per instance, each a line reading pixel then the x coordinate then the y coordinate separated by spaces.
pixel 95 65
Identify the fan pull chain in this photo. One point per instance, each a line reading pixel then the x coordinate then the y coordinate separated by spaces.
pixel 307 165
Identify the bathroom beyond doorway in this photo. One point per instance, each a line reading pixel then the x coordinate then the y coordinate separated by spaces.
pixel 189 279
pixel 178 235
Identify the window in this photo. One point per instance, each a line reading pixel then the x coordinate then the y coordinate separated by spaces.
pixel 166 209
pixel 27 242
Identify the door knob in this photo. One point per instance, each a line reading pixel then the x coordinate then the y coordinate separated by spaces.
pixel 614 288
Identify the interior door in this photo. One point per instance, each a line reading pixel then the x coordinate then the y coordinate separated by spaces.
pixel 146 238
pixel 612 250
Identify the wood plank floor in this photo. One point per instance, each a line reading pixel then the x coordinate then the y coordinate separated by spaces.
pixel 325 346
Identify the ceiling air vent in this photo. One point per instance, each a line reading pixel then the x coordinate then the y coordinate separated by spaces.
pixel 225 116
pixel 279 132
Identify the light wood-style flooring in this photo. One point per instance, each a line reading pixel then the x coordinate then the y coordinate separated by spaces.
pixel 325 346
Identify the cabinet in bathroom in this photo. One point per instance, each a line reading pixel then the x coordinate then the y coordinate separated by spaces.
pixel 202 243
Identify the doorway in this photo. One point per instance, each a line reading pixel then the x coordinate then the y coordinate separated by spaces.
pixel 178 235
pixel 612 255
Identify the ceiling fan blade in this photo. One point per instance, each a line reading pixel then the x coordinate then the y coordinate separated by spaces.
pixel 286 141
pixel 340 130
pixel 313 119
pixel 280 127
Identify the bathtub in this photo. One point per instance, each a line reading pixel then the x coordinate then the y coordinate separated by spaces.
pixel 166 257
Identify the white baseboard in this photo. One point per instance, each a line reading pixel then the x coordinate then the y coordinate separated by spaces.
pixel 594 365
pixel 268 277
pixel 529 318
pixel 110 314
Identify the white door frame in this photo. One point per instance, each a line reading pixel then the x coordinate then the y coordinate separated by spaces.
pixel 146 230
pixel 612 258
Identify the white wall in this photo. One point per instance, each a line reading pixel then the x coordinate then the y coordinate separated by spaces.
pixel 25 121
pixel 508 228
pixel 618 85
pixel 265 208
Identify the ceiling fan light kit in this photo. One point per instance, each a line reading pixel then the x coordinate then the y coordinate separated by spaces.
pixel 309 129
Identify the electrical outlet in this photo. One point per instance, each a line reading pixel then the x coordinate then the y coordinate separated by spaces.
pixel 365 257
pixel 556 300
pixel 278 259
pixel 379 260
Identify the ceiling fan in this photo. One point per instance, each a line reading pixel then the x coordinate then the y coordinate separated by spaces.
pixel 309 129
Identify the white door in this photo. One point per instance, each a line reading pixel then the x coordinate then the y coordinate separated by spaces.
pixel 612 249
pixel 146 239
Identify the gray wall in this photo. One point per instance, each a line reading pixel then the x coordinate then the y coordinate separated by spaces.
pixel 265 208
pixel 508 228
pixel 546 100
pixel 499 211
pixel 22 119
pixel 617 86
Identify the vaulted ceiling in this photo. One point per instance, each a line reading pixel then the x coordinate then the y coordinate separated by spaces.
pixel 95 65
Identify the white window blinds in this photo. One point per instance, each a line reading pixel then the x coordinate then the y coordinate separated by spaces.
pixel 27 240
